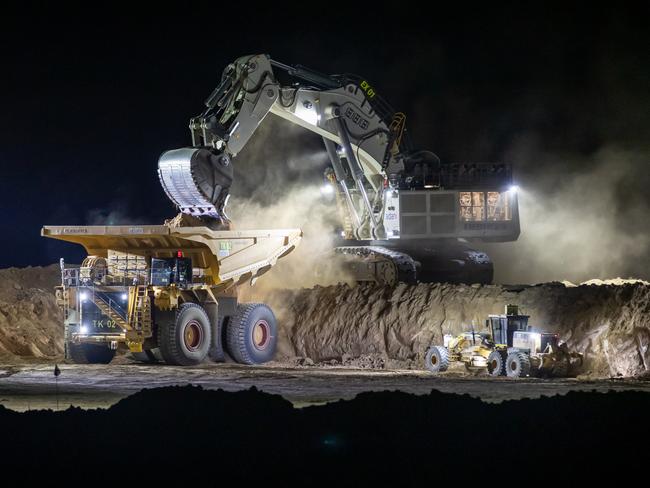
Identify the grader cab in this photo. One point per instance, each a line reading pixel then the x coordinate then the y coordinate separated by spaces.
pixel 511 348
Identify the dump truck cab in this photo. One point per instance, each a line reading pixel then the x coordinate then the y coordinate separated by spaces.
pixel 167 294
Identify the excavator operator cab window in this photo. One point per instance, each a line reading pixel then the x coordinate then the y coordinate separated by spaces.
pixel 472 206
pixel 478 206
pixel 498 206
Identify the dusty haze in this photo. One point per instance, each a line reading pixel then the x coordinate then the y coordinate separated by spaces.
pixel 278 180
pixel 579 224
pixel 589 223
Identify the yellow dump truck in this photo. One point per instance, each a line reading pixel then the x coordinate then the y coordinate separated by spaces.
pixel 168 293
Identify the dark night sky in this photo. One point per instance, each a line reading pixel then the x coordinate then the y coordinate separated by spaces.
pixel 88 104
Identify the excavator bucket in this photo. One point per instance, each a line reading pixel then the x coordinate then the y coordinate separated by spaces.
pixel 196 180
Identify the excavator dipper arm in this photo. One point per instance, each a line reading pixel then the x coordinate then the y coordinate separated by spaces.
pixel 357 137
pixel 406 217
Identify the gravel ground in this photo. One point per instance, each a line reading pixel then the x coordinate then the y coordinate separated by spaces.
pixel 33 386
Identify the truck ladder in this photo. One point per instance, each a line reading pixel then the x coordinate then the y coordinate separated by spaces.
pixel 140 310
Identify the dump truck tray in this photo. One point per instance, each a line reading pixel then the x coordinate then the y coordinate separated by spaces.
pixel 228 257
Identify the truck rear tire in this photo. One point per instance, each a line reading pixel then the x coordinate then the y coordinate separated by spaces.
pixel 217 352
pixel 496 363
pixel 437 359
pixel 186 340
pixel 517 365
pixel 89 353
pixel 251 334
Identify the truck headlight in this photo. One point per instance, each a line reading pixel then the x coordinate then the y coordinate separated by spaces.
pixel 83 330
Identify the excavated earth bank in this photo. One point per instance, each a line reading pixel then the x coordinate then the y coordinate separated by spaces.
pixel 30 321
pixel 609 323
pixel 370 326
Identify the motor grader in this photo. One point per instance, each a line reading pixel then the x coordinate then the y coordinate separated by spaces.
pixel 513 349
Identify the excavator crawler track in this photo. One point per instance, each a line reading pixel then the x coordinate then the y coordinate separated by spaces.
pixel 381 265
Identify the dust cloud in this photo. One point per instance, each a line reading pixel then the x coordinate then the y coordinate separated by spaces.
pixel 277 184
pixel 311 262
pixel 581 217
pixel 116 214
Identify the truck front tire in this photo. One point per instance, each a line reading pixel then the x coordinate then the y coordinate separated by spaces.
pixel 186 340
pixel 251 334
pixel 89 353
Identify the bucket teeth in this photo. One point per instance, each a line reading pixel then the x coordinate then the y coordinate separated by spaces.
pixel 177 179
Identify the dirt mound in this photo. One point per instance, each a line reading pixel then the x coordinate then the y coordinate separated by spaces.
pixel 610 324
pixel 30 322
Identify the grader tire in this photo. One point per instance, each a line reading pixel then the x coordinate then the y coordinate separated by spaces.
pixel 496 363
pixel 517 365
pixel 437 359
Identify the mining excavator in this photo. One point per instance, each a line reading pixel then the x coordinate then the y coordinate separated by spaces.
pixel 405 216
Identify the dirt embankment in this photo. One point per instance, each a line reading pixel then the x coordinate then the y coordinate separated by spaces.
pixel 610 324
pixel 370 326
pixel 30 322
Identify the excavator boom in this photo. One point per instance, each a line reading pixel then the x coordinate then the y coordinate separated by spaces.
pixel 391 196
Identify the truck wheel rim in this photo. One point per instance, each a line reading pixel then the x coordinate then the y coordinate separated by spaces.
pixel 493 364
pixel 513 366
pixel 261 334
pixel 193 335
pixel 434 360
